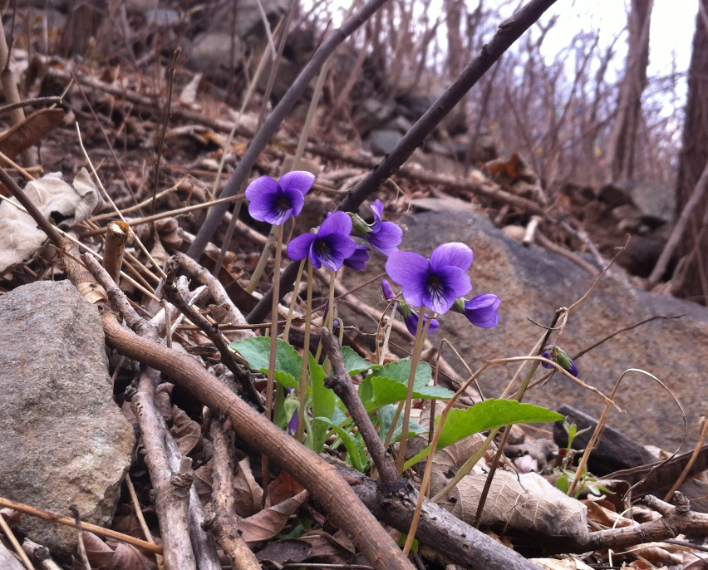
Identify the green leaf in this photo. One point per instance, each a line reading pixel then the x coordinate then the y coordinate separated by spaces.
pixel 376 391
pixel 385 417
pixel 402 542
pixel 354 448
pixel 484 416
pixel 288 363
pixel 356 364
pixel 401 369
pixel 488 415
pixel 323 402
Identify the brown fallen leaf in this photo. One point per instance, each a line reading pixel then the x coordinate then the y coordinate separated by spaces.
pixel 114 556
pixel 248 494
pixel 284 551
pixel 269 522
pixel 282 489
pixel 29 132
pixel 187 432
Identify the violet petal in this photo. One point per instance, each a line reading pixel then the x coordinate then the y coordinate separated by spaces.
pixel 444 286
pixel 456 254
pixel 260 186
pixel 358 259
pixel 336 223
pixel 299 248
pixel 299 180
pixel 332 249
pixel 483 311
pixel 387 290
pixel 387 239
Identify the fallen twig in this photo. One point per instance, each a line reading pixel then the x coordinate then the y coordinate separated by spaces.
pixel 675 520
pixel 226 523
pixel 68 521
pixel 437 528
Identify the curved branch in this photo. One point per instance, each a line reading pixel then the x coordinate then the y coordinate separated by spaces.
pixel 320 478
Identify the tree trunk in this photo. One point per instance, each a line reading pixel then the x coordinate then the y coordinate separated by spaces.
pixel 691 279
pixel 620 151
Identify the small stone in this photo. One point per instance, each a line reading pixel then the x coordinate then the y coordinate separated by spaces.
pixel 383 141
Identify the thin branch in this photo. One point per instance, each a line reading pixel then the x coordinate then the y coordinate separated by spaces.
pixel 272 123
pixel 342 385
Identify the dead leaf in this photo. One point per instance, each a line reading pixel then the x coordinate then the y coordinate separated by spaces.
pixel 284 551
pixel 116 556
pixel 654 553
pixel 248 494
pixel 326 549
pixel 187 432
pixel 29 132
pixel 562 564
pixel 525 502
pixel 606 517
pixel 58 201
pixel 269 522
pixel 282 489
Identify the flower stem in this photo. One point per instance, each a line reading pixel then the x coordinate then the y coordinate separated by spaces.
pixel 274 323
pixel 260 268
pixel 328 322
pixel 420 334
pixel 330 317
pixel 302 396
pixel 289 320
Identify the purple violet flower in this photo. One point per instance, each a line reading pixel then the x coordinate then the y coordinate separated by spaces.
pixel 410 315
pixel 482 311
pixel 436 283
pixel 382 236
pixel 359 258
pixel 330 246
pixel 274 202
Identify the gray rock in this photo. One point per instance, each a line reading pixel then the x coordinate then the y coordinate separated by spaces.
pixel 372 113
pixel 63 440
pixel 532 284
pixel 212 51
pixel 383 141
pixel 656 201
pixel 400 124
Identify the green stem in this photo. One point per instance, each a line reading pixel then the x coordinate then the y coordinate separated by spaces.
pixel 420 334
pixel 289 320
pixel 305 357
pixel 265 255
pixel 274 324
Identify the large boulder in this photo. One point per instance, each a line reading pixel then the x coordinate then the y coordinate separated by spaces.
pixel 532 284
pixel 63 441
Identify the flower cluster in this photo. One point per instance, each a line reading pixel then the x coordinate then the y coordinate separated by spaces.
pixel 438 284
